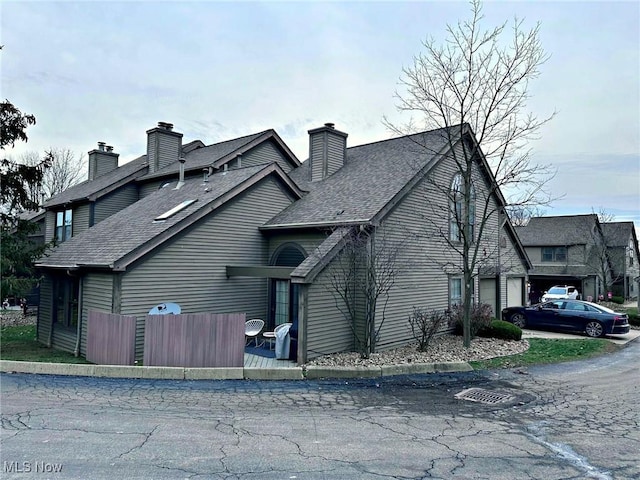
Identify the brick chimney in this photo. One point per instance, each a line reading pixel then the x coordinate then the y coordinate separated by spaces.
pixel 163 146
pixel 327 151
pixel 102 160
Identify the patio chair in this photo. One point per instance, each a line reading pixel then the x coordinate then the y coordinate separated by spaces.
pixel 252 329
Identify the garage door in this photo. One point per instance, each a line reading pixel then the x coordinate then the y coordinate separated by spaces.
pixel 514 291
pixel 488 293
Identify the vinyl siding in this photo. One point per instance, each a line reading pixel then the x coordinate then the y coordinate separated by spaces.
pixel 328 330
pixel 64 339
pixel 335 153
pixel 148 188
pixel 50 225
pixel 577 254
pixel 190 270
pixel 163 148
pixel 81 218
pixel 45 311
pixel 97 290
pixel 309 241
pixel 317 156
pixel 264 153
pixel 115 201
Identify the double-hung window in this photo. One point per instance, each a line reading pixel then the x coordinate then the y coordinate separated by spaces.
pixel 554 254
pixel 64 225
pixel 455 291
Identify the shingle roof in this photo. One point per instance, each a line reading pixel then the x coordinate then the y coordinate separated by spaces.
pixel 319 257
pixel 617 234
pixel 558 231
pixel 102 185
pixel 370 178
pixel 124 233
pixel 206 156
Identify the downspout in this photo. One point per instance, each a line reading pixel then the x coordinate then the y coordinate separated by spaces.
pixel 303 312
pixel 76 351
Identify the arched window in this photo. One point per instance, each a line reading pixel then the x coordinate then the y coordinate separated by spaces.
pixel 457 211
pixel 288 255
pixel 284 296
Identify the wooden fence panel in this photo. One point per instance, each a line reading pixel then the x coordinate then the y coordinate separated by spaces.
pixel 111 338
pixel 194 340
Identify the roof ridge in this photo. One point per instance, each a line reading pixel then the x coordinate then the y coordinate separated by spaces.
pixel 239 138
pixel 401 137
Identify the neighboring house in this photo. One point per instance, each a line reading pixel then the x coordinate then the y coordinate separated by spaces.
pixel 243 226
pixel 622 246
pixel 566 250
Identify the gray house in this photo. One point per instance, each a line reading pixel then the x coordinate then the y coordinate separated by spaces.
pixel 243 226
pixel 622 247
pixel 567 250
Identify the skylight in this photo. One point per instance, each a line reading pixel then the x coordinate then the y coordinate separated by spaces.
pixel 174 210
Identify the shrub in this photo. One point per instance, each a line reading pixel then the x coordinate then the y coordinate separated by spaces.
pixel 618 300
pixel 503 330
pixel 425 324
pixel 480 318
pixel 634 318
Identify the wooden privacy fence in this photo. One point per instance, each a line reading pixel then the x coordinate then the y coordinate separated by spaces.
pixel 191 340
pixel 194 340
pixel 111 338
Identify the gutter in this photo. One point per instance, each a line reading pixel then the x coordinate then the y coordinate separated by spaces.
pixel 348 223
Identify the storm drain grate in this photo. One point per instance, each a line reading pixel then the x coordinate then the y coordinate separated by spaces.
pixel 483 396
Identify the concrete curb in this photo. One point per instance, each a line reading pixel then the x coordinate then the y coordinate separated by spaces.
pixel 123 371
pixel 316 372
pixel 236 373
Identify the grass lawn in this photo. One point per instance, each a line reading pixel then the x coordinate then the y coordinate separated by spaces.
pixel 543 350
pixel 19 343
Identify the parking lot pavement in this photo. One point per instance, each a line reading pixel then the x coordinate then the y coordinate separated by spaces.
pixel 617 339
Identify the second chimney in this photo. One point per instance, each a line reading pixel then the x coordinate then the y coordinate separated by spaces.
pixel 163 146
pixel 327 151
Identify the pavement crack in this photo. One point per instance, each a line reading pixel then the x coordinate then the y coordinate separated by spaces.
pixel 146 438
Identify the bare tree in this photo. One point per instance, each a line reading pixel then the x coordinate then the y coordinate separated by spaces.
pixel 361 279
pixel 521 214
pixel 474 84
pixel 65 171
pixel 599 255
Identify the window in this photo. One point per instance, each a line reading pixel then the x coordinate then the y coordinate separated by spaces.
pixel 64 224
pixel 456 209
pixel 554 254
pixel 65 308
pixel 455 291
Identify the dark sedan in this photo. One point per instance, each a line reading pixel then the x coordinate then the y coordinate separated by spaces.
pixel 574 315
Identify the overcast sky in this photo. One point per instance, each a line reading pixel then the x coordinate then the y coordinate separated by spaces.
pixel 109 71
